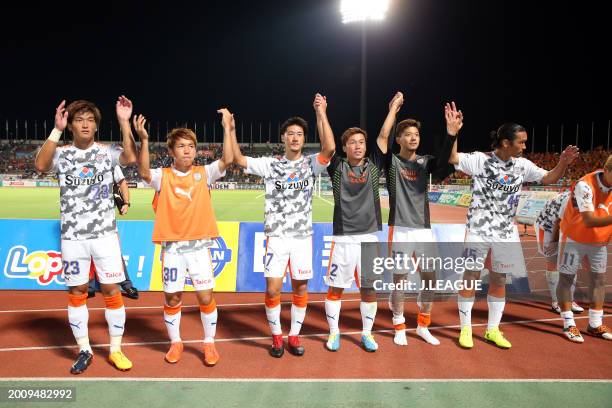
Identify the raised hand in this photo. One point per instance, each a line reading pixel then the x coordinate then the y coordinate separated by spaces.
pixel 61 117
pixel 124 209
pixel 227 119
pixel 139 122
pixel 454 119
pixel 124 108
pixel 569 155
pixel 396 103
pixel 320 103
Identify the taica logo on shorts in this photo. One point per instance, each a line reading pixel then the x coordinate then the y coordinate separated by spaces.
pixel 220 254
pixel 43 266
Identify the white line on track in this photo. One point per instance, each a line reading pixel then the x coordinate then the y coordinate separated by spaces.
pixel 257 338
pixel 312 380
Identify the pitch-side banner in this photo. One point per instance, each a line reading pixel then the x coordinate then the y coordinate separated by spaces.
pixel 30 255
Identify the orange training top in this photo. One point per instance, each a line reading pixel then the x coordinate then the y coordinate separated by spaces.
pixel 572 224
pixel 183 207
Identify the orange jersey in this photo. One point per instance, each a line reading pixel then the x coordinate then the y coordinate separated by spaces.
pixel 572 224
pixel 183 207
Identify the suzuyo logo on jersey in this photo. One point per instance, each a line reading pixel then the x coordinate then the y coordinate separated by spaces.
pixel 504 183
pixel 43 266
pixel 293 182
pixel 86 176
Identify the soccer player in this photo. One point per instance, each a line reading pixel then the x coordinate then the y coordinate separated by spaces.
pixel 409 224
pixel 357 219
pixel 185 226
pixel 121 195
pixel 547 237
pixel 289 185
pixel 497 178
pixel 88 225
pixel 586 228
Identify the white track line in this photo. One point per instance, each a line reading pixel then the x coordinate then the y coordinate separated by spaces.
pixel 308 380
pixel 257 338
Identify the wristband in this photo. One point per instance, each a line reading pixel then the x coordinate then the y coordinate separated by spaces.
pixel 55 135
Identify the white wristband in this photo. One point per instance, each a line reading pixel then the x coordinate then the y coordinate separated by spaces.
pixel 55 135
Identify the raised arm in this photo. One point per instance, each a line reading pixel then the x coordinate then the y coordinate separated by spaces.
pixel 326 135
pixel 44 158
pixel 567 157
pixel 144 167
pixel 394 106
pixel 454 123
pixel 124 111
pixel 229 133
pixel 239 159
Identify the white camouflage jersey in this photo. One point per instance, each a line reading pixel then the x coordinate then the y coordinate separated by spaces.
pixel 496 188
pixel 289 187
pixel 86 190
pixel 552 211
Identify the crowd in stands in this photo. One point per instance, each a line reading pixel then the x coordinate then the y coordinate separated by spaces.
pixel 17 159
pixel 586 162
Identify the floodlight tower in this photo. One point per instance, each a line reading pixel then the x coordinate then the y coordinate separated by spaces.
pixel 361 11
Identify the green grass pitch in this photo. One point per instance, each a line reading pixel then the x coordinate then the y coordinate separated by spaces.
pixel 230 205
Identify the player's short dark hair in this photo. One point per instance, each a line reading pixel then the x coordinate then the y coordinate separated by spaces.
pixel 350 132
pixel 406 123
pixel 296 120
pixel 180 133
pixel 82 106
pixel 506 131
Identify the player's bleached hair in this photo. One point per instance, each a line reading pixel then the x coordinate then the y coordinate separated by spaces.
pixel 296 120
pixel 83 106
pixel 506 131
pixel 180 133
pixel 608 165
pixel 406 123
pixel 350 132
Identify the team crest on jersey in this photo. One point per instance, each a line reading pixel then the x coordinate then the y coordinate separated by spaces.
pixel 100 157
pixel 86 172
pixel 197 177
pixel 505 180
pixel 420 161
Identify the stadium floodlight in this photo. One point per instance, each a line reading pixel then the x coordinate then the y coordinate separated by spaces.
pixel 362 10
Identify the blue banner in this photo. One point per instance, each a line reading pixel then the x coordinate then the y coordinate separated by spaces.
pixel 434 196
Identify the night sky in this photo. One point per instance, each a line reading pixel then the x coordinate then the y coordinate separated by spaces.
pixel 531 62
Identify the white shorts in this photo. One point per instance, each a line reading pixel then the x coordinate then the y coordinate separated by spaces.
pixel 196 264
pixel 288 254
pixel 344 266
pixel 415 242
pixel 105 253
pixel 506 255
pixel 571 254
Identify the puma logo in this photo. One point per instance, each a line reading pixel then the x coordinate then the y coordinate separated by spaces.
pixel 182 192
